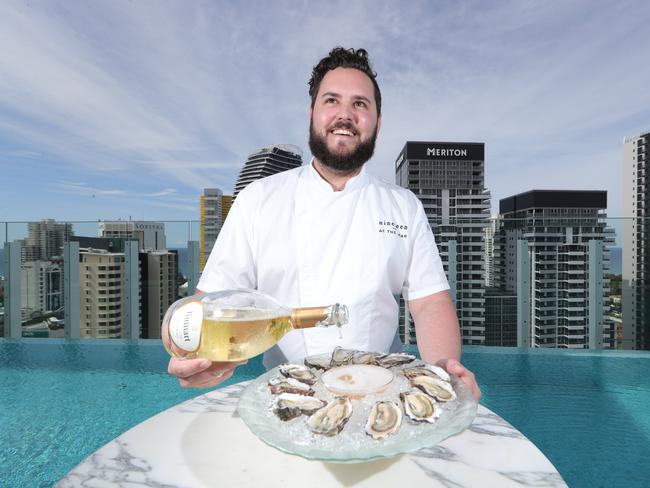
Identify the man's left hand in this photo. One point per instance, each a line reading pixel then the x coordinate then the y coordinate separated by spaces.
pixel 465 375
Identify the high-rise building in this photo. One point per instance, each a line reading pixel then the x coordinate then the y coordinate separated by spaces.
pixel 158 290
pixel 448 178
pixel 45 240
pixel 102 290
pixel 488 238
pixel 150 235
pixel 636 243
pixel 211 204
pixel 266 162
pixel 41 287
pixel 553 254
pixel 226 203
pixel 111 289
pixel 500 318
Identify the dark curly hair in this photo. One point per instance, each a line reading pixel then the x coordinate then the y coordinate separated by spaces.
pixel 343 58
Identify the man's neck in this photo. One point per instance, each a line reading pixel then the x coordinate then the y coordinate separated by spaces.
pixel 336 179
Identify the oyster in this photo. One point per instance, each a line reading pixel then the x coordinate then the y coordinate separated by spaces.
pixel 434 387
pixel 363 357
pixel 428 370
pixel 341 356
pixel 298 372
pixel 420 407
pixel 330 419
pixel 385 419
pixel 288 406
pixel 318 362
pixel 289 385
pixel 396 359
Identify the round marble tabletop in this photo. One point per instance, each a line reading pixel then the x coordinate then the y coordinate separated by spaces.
pixel 203 443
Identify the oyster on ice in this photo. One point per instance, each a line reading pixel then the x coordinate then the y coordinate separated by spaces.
pixel 318 362
pixel 420 407
pixel 298 372
pixel 385 419
pixel 330 419
pixel 288 406
pixel 428 370
pixel 341 356
pixel 396 359
pixel 363 357
pixel 289 385
pixel 434 387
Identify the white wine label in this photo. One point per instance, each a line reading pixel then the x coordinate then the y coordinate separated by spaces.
pixel 185 326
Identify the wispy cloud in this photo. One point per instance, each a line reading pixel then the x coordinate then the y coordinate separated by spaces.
pixel 151 101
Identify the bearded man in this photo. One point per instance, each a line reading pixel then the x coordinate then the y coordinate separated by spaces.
pixel 330 232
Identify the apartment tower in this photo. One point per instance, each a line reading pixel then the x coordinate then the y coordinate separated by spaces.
pixel 266 162
pixel 636 243
pixel 553 254
pixel 211 204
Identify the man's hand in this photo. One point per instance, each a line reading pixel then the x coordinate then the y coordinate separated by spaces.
pixel 201 373
pixel 465 375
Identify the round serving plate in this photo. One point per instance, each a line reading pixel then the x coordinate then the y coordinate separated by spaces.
pixel 352 444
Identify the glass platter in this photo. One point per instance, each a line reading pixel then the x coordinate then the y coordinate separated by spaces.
pixel 352 444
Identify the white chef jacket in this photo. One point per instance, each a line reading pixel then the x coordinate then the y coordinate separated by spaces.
pixel 291 236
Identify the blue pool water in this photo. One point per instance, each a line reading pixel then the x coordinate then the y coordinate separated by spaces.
pixel 60 401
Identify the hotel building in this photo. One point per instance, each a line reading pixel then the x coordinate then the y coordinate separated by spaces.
pixel 150 235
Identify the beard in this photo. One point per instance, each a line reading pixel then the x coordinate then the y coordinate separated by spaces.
pixel 338 162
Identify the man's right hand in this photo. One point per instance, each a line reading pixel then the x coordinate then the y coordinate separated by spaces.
pixel 201 373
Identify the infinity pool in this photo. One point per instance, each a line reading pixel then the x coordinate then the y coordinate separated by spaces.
pixel 60 401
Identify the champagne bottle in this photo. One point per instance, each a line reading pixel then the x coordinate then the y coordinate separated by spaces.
pixel 233 325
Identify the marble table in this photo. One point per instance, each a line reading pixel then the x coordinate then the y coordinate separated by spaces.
pixel 203 443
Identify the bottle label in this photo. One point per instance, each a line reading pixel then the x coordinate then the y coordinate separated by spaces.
pixel 185 326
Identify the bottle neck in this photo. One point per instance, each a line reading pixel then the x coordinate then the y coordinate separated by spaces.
pixel 306 317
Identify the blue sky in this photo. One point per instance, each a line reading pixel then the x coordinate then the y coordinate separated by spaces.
pixel 111 109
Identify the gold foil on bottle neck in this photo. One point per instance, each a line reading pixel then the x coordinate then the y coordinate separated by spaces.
pixel 303 318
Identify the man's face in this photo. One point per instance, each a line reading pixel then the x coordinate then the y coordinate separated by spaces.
pixel 344 121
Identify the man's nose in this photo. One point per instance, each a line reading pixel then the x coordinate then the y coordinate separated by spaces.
pixel 345 112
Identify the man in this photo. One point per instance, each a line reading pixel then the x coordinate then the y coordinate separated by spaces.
pixel 330 232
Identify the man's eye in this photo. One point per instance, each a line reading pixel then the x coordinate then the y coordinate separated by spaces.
pixel 330 100
pixel 359 103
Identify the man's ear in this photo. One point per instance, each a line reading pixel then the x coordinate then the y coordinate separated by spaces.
pixel 378 124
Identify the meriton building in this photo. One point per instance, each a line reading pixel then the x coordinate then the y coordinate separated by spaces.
pixel 449 180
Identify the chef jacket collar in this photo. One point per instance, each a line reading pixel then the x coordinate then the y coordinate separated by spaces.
pixel 358 181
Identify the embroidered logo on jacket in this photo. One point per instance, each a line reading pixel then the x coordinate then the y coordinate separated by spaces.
pixel 388 227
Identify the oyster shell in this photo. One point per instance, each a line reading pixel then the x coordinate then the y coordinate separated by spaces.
pixel 298 372
pixel 363 357
pixel 396 359
pixel 318 362
pixel 385 419
pixel 341 356
pixel 420 407
pixel 289 385
pixel 330 419
pixel 428 370
pixel 434 387
pixel 288 406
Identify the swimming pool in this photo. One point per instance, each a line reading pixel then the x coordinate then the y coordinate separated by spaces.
pixel 60 401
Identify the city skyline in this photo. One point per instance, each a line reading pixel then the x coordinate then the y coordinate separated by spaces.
pixel 132 108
